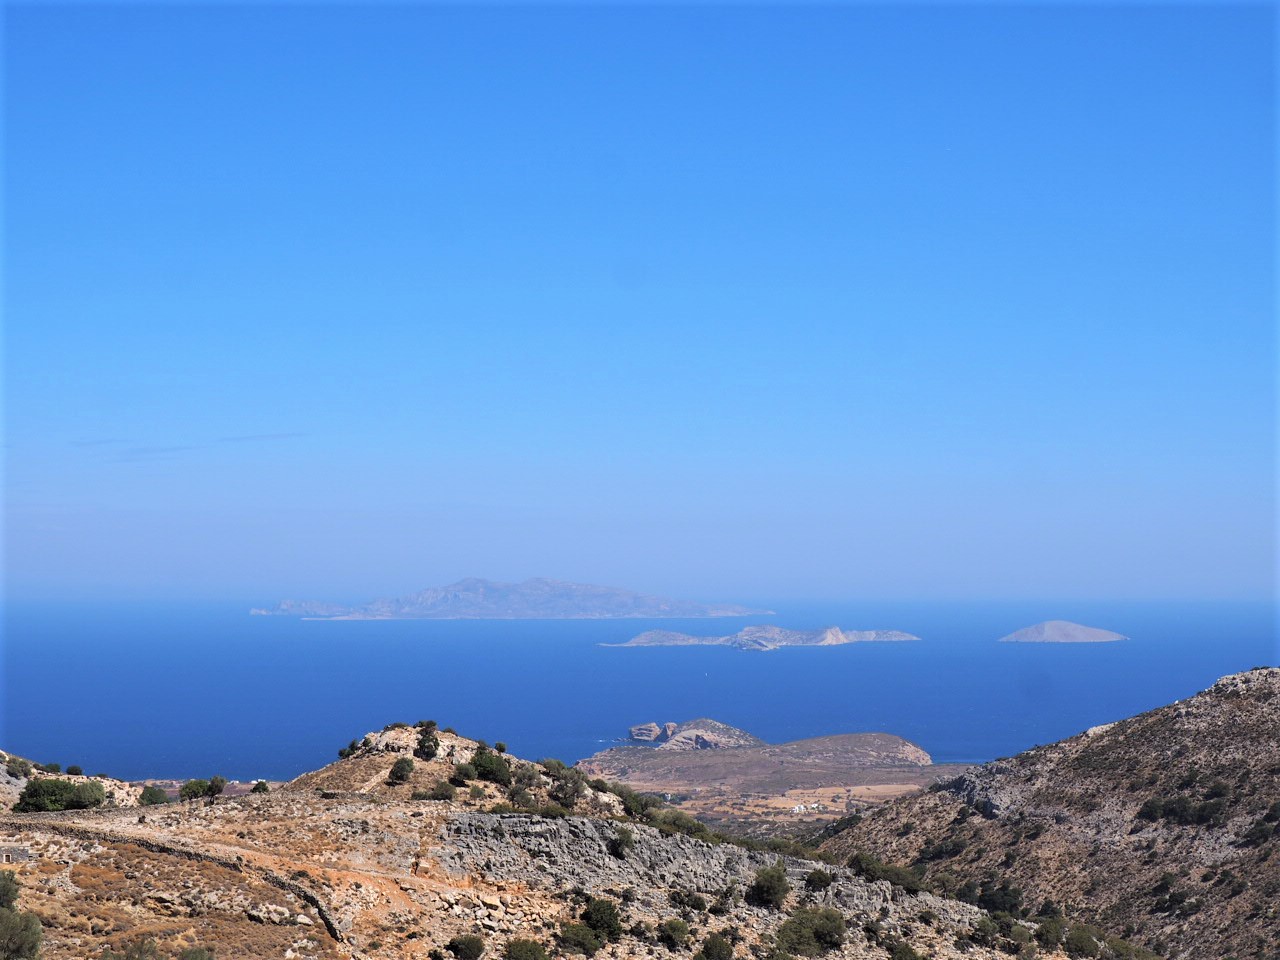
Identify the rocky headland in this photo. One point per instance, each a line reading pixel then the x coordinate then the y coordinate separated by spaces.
pixel 735 780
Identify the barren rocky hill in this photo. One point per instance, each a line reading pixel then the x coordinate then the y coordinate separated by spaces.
pixel 1165 825
pixel 424 844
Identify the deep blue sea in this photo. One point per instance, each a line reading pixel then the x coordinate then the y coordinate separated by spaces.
pixel 184 691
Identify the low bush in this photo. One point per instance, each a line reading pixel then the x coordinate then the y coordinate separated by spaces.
pixel 46 795
pixel 152 796
pixel 817 879
pixel 716 947
pixel 401 770
pixel 622 843
pixel 579 938
pixel 673 934
pixel 769 888
pixel 811 932
pixel 466 947
pixel 525 950
pixel 603 917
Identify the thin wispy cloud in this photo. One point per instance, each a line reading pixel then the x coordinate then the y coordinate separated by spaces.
pixel 166 452
pixel 260 437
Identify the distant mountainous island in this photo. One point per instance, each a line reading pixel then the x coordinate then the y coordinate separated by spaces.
pixel 1061 631
pixel 765 638
pixel 536 599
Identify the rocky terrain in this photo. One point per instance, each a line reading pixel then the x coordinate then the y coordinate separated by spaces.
pixel 765 638
pixel 1164 826
pixel 536 599
pixel 735 781
pixel 1061 631
pixel 379 856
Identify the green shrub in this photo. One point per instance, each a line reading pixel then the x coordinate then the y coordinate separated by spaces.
pixel 622 843
pixel 716 947
pixel 1080 942
pixel 261 787
pixel 216 786
pixel 673 934
pixel 138 950
pixel 492 767
pixel 579 938
pixel 868 866
pixel 817 879
pixel 196 953
pixel 1050 932
pixel 428 743
pixel 462 774
pixel 466 947
pixel 401 770
pixel 769 888
pixel 20 935
pixel 525 949
pixel 444 790
pixel 810 932
pixel 603 917
pixel 476 792
pixel 349 750
pixel 45 795
pixel 152 795
pixel 75 771
pixel 8 889
pixel 18 768
pixel 568 788
pixel 193 790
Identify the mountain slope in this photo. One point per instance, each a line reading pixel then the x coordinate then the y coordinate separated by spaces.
pixel 353 861
pixel 1164 824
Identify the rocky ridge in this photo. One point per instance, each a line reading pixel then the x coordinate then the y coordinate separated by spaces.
pixel 1165 825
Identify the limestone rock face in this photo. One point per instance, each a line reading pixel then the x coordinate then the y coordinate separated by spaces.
pixel 646 732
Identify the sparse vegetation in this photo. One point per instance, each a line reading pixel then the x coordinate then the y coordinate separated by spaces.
pixel 261 787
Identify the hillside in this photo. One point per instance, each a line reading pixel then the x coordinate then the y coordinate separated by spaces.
pixel 1166 825
pixel 765 638
pixel 536 599
pixel 345 862
pixel 731 779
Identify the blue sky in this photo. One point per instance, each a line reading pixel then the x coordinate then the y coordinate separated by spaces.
pixel 830 301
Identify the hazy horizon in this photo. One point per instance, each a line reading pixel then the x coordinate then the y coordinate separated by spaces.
pixel 723 303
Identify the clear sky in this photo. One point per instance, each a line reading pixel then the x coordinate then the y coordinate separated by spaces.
pixel 727 302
